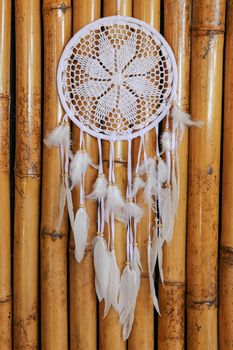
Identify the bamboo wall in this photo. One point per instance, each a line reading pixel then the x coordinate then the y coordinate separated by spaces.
pixel 47 299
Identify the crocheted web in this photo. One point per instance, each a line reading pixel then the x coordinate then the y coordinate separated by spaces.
pixel 117 78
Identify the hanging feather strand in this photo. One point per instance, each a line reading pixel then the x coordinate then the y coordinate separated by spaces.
pixel 127 299
pixel 102 266
pixel 81 226
pixel 113 284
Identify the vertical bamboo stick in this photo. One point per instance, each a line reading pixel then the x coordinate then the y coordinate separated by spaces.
pixel 54 315
pixel 83 314
pixel 204 162
pixel 110 334
pixel 226 249
pixel 142 336
pixel 5 233
pixel 27 173
pixel 171 331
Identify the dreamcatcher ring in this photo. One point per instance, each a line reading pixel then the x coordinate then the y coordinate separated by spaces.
pixel 124 80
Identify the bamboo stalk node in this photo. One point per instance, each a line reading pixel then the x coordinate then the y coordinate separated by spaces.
pixel 227 255
pixel 5 97
pixel 54 235
pixel 5 299
pixel 203 304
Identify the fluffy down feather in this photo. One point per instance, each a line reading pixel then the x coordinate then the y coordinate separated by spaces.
pixel 162 171
pixel 59 136
pixel 99 188
pixel 78 166
pixel 183 120
pixel 166 141
pixel 131 210
pixel 138 184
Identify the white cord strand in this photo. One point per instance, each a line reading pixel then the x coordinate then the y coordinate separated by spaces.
pixel 118 7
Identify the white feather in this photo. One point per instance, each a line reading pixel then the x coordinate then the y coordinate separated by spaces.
pixel 131 210
pixel 151 279
pixel 98 290
pixel 138 184
pixel 153 252
pixel 78 166
pixel 127 327
pixel 175 186
pixel 114 202
pixel 160 258
pixel 143 168
pixel 70 206
pixel 166 141
pixel 150 189
pixel 147 166
pixel 113 285
pixel 162 171
pixel 99 188
pixel 59 136
pixel 167 216
pixel 65 196
pixel 62 203
pixel 102 266
pixel 137 266
pixel 81 226
pixel 128 294
pixel 183 120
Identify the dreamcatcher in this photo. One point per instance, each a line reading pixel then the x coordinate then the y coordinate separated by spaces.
pixel 117 79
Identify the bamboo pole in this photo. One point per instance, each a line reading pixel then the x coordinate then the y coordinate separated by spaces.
pixel 226 248
pixel 171 327
pixel 54 315
pixel 83 312
pixel 5 233
pixel 110 333
pixel 27 173
pixel 204 163
pixel 142 336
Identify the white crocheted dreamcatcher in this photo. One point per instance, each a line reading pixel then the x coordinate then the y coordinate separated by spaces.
pixel 117 79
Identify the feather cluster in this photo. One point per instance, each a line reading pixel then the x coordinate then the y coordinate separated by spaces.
pixel 160 186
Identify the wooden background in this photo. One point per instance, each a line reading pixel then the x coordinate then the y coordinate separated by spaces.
pixel 47 300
